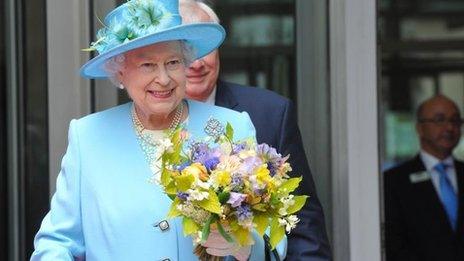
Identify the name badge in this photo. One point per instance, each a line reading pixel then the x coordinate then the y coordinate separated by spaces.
pixel 421 176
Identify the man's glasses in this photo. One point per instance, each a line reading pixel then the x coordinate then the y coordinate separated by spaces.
pixel 443 121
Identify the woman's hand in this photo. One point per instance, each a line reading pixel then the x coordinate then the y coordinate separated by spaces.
pixel 216 245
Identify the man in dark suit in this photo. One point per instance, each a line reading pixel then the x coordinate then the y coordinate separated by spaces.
pixel 424 197
pixel 275 121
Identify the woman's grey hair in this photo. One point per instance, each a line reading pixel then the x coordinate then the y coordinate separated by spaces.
pixel 115 64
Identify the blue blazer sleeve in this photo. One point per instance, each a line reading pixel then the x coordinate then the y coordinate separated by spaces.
pixel 60 235
pixel 308 241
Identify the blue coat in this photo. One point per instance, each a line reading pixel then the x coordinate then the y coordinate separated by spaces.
pixel 274 118
pixel 105 208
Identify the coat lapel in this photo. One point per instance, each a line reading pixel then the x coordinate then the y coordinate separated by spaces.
pixel 224 96
pixel 459 166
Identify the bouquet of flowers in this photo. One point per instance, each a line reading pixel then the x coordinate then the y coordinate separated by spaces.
pixel 234 187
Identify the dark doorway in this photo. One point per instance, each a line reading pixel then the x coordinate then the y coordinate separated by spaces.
pixel 23 125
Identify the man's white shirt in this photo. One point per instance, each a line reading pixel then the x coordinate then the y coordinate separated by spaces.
pixel 430 162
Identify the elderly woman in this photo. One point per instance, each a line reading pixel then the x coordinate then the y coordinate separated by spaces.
pixel 104 207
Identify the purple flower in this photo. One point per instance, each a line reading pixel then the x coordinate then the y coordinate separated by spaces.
pixel 182 166
pixel 244 212
pixel 182 195
pixel 267 151
pixel 236 199
pixel 272 168
pixel 237 181
pixel 273 159
pixel 211 163
pixel 238 147
pixel 259 191
pixel 199 152
pixel 250 163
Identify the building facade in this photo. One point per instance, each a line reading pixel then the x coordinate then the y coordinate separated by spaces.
pixel 321 54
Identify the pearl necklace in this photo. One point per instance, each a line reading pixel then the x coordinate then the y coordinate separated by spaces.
pixel 139 128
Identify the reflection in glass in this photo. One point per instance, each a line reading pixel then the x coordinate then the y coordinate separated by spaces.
pixel 422 54
pixel 261 30
pixel 259 49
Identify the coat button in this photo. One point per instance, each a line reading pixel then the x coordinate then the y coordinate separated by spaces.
pixel 163 225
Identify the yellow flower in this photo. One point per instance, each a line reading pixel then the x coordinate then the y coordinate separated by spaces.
pixel 262 175
pixel 197 170
pixel 223 178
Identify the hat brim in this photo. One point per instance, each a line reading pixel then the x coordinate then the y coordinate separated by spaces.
pixel 204 37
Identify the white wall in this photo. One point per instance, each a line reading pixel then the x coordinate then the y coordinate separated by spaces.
pixel 355 171
pixel 68 93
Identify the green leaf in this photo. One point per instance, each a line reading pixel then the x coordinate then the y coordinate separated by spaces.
pixel 184 182
pixel 277 232
pixel 175 139
pixel 176 155
pixel 173 212
pixel 223 197
pixel 171 189
pixel 274 200
pixel 260 207
pixel 90 49
pixel 289 186
pixel 190 227
pixel 299 203
pixel 211 204
pixel 223 233
pixel 229 132
pixel 262 222
pixel 243 236
pixel 165 177
pixel 207 228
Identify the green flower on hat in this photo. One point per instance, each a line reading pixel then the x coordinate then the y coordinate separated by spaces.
pixel 139 18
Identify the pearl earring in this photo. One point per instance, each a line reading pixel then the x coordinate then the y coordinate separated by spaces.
pixel 121 86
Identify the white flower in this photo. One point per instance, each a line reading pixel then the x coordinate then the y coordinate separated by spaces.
pixel 165 145
pixel 196 238
pixel 278 180
pixel 287 202
pixel 289 222
pixel 201 184
pixel 199 215
pixel 195 194
pixel 247 223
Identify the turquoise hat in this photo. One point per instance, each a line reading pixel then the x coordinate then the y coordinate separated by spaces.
pixel 139 23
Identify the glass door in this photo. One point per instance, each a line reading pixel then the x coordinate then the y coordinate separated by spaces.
pixel 24 106
pixel 259 49
pixel 422 55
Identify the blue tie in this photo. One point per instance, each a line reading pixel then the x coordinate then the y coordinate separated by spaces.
pixel 448 197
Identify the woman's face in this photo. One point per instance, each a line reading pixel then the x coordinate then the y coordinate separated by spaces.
pixel 154 77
